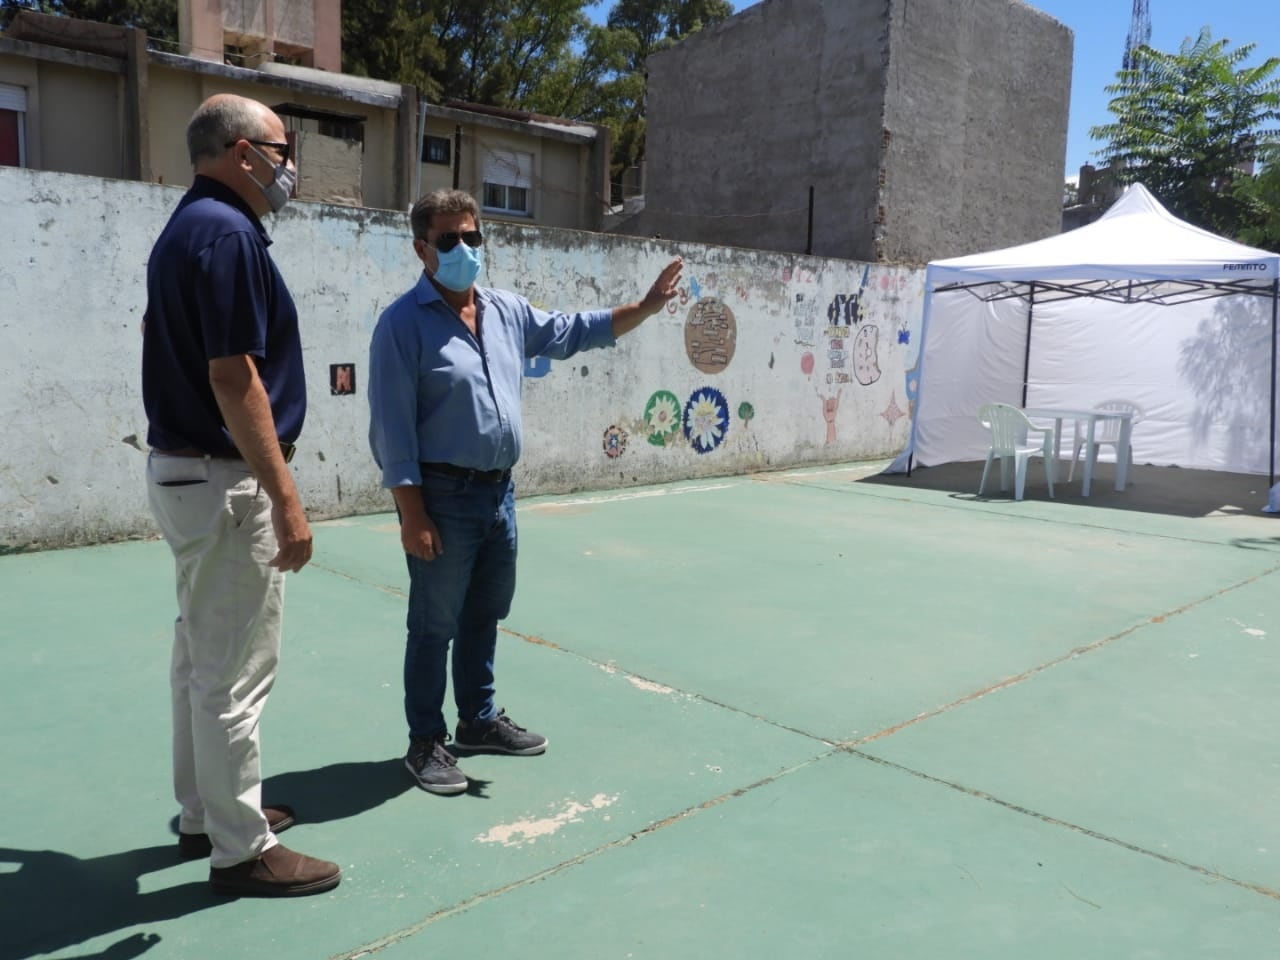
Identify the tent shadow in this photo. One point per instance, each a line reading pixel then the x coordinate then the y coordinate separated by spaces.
pixel 55 900
pixel 1170 491
pixel 1232 390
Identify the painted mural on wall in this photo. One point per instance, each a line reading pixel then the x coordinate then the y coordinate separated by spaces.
pixel 850 351
pixel 706 419
pixel 832 324
pixel 662 418
pixel 615 442
pixel 710 335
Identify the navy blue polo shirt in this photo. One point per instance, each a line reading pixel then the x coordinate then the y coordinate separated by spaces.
pixel 214 291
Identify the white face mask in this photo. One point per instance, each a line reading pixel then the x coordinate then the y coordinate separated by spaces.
pixel 282 182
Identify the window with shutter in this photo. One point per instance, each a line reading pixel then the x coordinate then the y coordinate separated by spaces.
pixel 508 181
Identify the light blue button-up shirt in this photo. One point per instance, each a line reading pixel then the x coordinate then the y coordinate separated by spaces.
pixel 437 394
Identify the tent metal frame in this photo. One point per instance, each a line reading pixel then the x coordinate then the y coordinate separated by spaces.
pixel 1116 291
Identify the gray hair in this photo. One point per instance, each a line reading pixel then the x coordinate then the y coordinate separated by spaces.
pixel 221 120
pixel 442 202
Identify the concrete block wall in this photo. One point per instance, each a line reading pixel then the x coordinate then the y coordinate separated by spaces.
pixel 975 129
pixel 927 128
pixel 746 115
pixel 764 361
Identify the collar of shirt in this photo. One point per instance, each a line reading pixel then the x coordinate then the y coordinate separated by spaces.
pixel 203 186
pixel 427 292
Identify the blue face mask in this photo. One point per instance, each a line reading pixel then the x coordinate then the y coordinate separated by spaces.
pixel 458 268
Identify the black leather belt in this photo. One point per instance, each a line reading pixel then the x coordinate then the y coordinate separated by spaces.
pixel 466 473
pixel 286 451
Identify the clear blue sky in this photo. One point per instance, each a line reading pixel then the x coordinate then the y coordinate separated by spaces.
pixel 1100 28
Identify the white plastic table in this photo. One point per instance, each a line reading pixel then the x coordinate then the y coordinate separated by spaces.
pixel 1092 417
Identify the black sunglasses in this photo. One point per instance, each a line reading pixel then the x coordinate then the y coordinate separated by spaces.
pixel 447 241
pixel 282 147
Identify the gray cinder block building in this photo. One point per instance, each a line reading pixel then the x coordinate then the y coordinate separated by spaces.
pixel 925 128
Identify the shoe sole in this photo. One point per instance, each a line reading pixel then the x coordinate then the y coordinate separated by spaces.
pixel 275 890
pixel 487 748
pixel 443 789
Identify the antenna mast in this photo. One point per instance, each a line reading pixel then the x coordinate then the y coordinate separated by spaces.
pixel 1139 32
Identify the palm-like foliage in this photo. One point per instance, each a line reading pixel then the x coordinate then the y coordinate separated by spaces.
pixel 1188 124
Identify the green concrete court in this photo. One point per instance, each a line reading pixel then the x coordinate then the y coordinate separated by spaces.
pixel 808 714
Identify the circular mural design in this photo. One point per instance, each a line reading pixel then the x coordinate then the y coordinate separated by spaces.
pixel 615 442
pixel 710 335
pixel 662 417
pixel 866 359
pixel 706 419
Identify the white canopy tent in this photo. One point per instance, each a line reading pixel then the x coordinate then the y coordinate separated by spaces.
pixel 1138 306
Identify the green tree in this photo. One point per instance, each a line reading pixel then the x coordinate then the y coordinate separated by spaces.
pixel 654 25
pixel 590 84
pixel 1188 123
pixel 659 23
pixel 499 52
pixel 1261 195
pixel 159 18
pixel 391 40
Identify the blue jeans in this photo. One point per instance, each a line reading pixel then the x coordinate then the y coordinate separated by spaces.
pixel 459 596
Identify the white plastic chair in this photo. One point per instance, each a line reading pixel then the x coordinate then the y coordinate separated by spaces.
pixel 1106 431
pixel 1010 432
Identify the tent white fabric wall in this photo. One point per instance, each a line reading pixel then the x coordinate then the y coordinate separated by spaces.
pixel 1198 361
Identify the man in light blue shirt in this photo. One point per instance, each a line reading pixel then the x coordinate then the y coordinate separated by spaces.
pixel 445 372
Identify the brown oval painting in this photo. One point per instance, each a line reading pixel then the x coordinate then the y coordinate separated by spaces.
pixel 710 335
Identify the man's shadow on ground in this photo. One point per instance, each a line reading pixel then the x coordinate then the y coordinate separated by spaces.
pixel 342 790
pixel 55 900
pixel 338 790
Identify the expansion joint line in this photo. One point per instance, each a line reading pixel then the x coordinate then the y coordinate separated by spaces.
pixel 1070 655
pixel 1075 827
pixel 405 933
pixel 610 667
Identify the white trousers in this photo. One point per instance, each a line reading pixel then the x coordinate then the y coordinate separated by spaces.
pixel 226 644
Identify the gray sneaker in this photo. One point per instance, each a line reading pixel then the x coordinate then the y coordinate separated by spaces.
pixel 434 767
pixel 500 735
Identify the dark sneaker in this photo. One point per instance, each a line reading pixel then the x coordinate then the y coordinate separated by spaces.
pixel 280 872
pixel 434 767
pixel 500 735
pixel 195 846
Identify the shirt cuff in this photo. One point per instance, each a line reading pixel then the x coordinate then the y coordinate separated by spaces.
pixel 404 474
pixel 600 325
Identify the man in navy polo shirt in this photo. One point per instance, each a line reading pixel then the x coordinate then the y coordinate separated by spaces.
pixel 223 387
pixel 445 372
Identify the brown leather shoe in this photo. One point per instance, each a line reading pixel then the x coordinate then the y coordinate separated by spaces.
pixel 195 846
pixel 279 872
